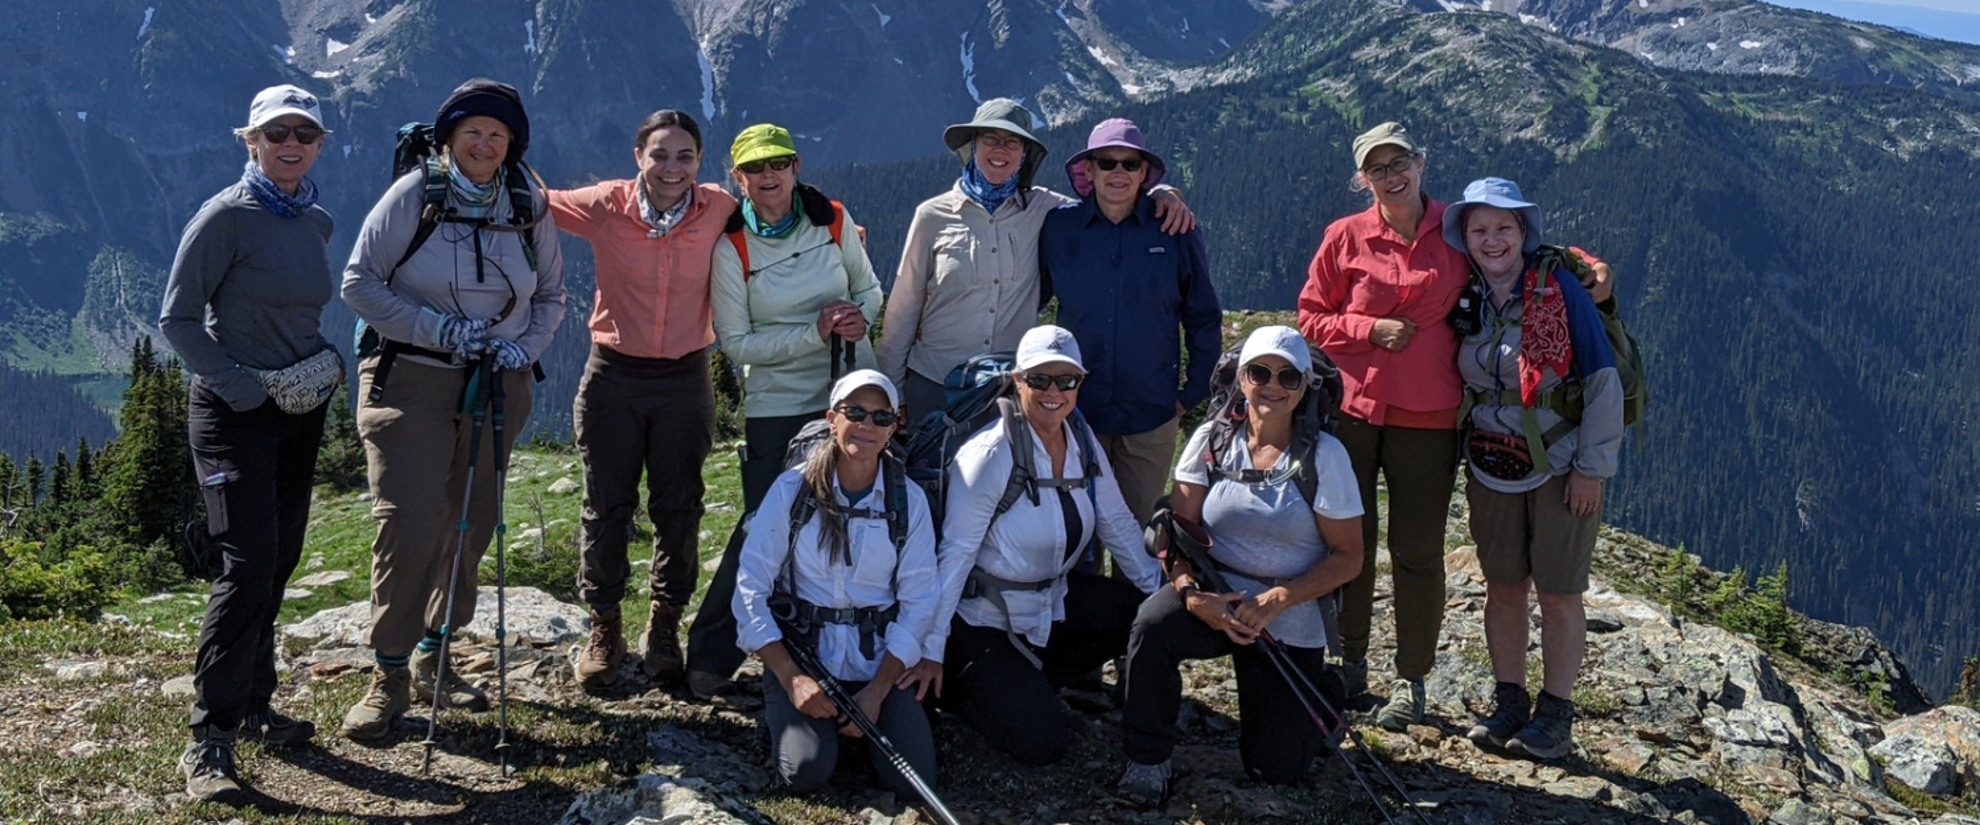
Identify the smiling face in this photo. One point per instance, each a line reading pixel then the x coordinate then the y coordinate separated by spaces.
pixel 667 164
pixel 478 147
pixel 1494 237
pixel 999 154
pixel 1394 175
pixel 770 190
pixel 1046 409
pixel 861 440
pixel 1270 400
pixel 1116 187
pixel 287 162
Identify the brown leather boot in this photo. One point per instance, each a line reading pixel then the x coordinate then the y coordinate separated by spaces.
pixel 661 644
pixel 598 665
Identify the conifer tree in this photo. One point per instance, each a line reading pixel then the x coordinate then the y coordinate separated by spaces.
pixel 149 491
pixel 32 478
pixel 10 481
pixel 61 492
pixel 88 486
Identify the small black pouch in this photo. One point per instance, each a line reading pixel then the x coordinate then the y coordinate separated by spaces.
pixel 1499 455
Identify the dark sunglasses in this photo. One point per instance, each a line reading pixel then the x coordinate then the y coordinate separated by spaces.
pixel 755 167
pixel 1108 164
pixel 1259 375
pixel 881 418
pixel 1040 381
pixel 277 134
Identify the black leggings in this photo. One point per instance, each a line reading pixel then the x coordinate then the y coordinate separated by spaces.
pixel 1276 739
pixel 996 690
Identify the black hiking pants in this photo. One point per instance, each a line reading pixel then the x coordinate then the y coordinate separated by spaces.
pixel 255 469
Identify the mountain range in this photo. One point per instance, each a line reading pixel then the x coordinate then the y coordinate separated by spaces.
pixel 1790 219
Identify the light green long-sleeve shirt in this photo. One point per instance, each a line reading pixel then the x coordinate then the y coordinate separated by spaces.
pixel 769 325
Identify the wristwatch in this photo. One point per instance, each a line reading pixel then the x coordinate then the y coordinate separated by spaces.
pixel 1187 588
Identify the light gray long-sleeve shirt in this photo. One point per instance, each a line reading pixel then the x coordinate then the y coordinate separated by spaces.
pixel 247 289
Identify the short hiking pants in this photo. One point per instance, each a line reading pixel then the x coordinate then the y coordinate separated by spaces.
pixel 416 438
pixel 1421 469
pixel 255 469
pixel 1533 535
pixel 652 417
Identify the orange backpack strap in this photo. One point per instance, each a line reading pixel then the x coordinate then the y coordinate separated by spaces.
pixel 838 225
pixel 741 243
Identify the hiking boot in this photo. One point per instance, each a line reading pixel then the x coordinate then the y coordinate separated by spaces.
pixel 389 698
pixel 276 730
pixel 661 645
pixel 1145 786
pixel 1355 674
pixel 208 765
pixel 1551 733
pixel 1405 705
pixel 597 665
pixel 455 692
pixel 719 690
pixel 1512 709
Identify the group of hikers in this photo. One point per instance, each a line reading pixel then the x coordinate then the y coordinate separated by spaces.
pixel 874 586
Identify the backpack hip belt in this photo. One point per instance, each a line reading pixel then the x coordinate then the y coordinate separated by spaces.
pixel 802 620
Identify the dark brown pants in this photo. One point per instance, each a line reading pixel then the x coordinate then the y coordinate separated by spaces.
pixel 1421 468
pixel 634 416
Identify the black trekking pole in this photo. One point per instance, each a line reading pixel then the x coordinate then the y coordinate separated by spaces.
pixel 479 371
pixel 497 395
pixel 841 356
pixel 808 662
pixel 1195 551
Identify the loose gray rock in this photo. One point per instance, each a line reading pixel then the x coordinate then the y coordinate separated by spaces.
pixel 534 618
pixel 294 593
pixel 322 579
pixel 1924 765
pixel 562 487
pixel 75 670
pixel 649 799
pixel 1797 812
pixel 178 687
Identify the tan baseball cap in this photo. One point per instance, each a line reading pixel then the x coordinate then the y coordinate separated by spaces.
pixel 1391 133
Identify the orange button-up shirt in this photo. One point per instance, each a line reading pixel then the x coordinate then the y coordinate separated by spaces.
pixel 1364 271
pixel 652 299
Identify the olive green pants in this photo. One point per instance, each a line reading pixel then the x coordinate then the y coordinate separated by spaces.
pixel 1421 469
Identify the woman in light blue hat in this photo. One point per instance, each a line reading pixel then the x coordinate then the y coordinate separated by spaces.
pixel 1544 428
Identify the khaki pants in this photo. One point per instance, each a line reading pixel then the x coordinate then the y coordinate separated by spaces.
pixel 1142 464
pixel 416 454
pixel 1421 468
pixel 1533 535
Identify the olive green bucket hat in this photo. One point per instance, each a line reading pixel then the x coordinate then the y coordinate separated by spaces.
pixel 1005 114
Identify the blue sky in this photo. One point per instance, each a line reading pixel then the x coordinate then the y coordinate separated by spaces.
pixel 1948 19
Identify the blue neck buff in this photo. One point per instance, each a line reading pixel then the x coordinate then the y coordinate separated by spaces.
pixel 778 230
pixel 272 197
pixel 476 199
pixel 985 194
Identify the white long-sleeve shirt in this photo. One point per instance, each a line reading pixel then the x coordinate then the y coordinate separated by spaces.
pixel 1028 542
pixel 878 577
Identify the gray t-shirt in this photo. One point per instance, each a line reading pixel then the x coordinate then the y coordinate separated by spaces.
pixel 247 289
pixel 1266 529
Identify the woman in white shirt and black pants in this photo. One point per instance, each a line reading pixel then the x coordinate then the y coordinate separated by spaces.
pixel 859 583
pixel 1029 623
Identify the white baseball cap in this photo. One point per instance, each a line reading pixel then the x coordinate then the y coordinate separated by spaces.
pixel 1046 344
pixel 851 382
pixel 276 101
pixel 1282 341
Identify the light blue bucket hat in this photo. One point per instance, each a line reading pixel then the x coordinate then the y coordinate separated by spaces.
pixel 1498 192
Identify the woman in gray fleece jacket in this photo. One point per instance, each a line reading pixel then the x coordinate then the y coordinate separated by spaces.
pixel 472 292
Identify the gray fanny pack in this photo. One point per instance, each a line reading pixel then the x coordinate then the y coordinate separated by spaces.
pixel 305 385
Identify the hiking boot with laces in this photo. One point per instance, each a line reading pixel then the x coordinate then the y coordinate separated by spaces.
pixel 208 765
pixel 455 692
pixel 1551 733
pixel 720 691
pixel 661 645
pixel 1355 675
pixel 1405 705
pixel 597 665
pixel 375 714
pixel 277 730
pixel 1145 786
pixel 1512 708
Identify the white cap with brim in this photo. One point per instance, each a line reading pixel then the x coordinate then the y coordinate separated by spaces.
pixel 276 101
pixel 1047 344
pixel 853 381
pixel 1282 341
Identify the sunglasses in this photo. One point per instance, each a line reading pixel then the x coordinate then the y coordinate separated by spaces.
pixel 881 418
pixel 1394 167
pixel 1040 381
pixel 1259 375
pixel 755 167
pixel 1108 164
pixel 277 134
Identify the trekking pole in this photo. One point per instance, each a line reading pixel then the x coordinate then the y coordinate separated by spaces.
pixel 808 662
pixel 479 372
pixel 497 395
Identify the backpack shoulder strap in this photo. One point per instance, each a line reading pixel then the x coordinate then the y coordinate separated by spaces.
pixel 1089 458
pixel 1023 475
pixel 432 199
pixel 838 225
pixel 522 210
pixel 897 503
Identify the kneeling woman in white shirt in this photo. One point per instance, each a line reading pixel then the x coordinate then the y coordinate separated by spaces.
pixel 1025 622
pixel 1282 551
pixel 828 564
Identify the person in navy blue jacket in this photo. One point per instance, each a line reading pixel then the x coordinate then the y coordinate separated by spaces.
pixel 1540 453
pixel 1134 298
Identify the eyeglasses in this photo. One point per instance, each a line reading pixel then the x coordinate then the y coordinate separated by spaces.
pixel 881 418
pixel 1010 142
pixel 1259 375
pixel 1108 164
pixel 755 167
pixel 277 134
pixel 1040 381
pixel 1394 167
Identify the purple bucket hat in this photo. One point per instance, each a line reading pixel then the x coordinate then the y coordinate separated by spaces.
pixel 1114 131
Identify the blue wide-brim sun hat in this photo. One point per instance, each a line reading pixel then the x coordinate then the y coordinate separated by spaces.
pixel 1498 192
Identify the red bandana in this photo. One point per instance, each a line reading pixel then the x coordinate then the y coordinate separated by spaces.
pixel 1543 336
